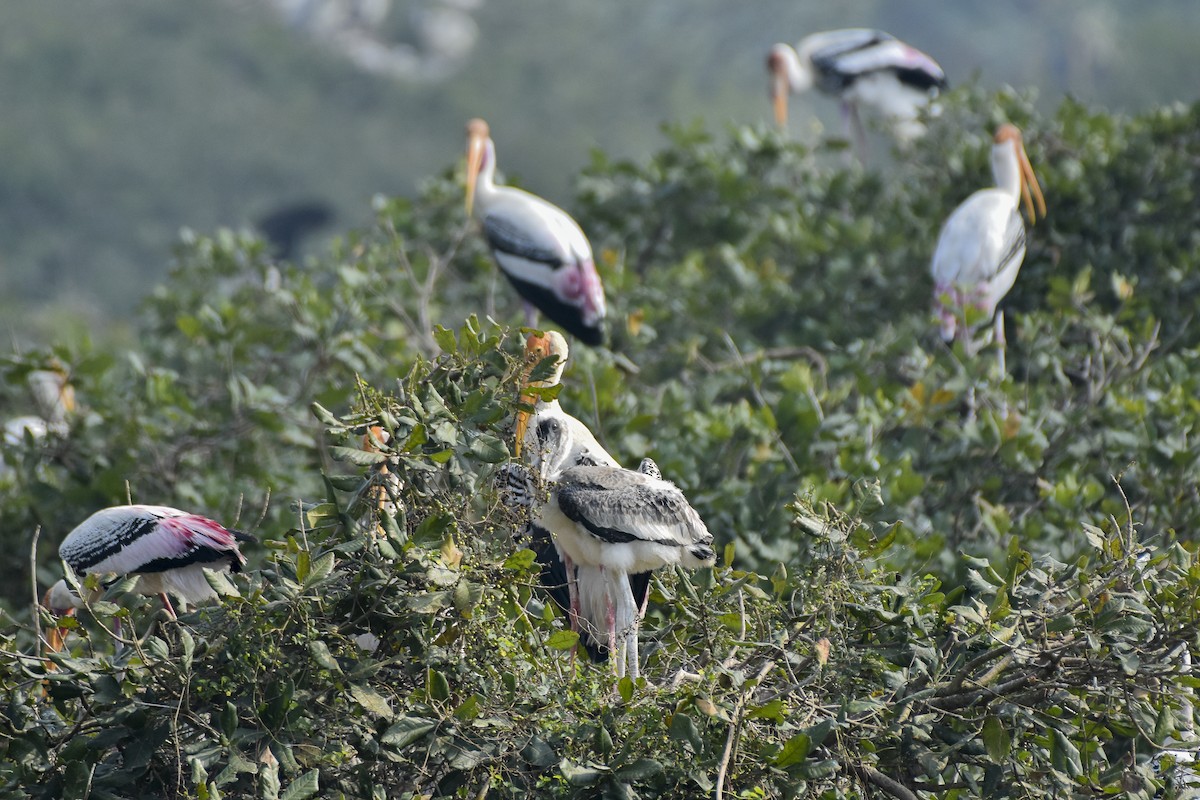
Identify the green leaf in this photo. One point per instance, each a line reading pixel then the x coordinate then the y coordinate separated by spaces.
pixel 437 686
pixel 406 731
pixel 625 688
pixel 562 639
pixel 302 788
pixel 641 770
pixel 371 700
pixel 489 449
pixel 521 560
pixel 320 653
pixel 795 750
pixel 77 780
pixel 773 710
pixel 996 739
pixel 357 456
pixel 445 339
pixel 683 728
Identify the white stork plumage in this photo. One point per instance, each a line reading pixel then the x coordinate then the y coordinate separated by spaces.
pixel 861 67
pixel 982 244
pixel 169 549
pixel 54 398
pixel 622 522
pixel 540 249
pixel 578 446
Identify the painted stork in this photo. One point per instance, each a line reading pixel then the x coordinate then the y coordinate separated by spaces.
pixel 54 398
pixel 622 522
pixel 859 66
pixel 166 547
pixel 539 248
pixel 982 244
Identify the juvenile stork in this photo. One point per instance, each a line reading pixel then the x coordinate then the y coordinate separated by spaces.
pixel 539 248
pixel 859 66
pixel 573 445
pixel 168 548
pixel 981 246
pixel 623 523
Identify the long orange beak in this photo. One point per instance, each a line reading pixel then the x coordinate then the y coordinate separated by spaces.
pixel 57 635
pixel 779 96
pixel 537 347
pixel 1031 190
pixel 477 136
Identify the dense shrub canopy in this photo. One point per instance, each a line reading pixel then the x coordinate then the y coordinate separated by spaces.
pixel 913 600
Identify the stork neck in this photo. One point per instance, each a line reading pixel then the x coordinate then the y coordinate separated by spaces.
pixel 796 68
pixel 1006 168
pixel 486 183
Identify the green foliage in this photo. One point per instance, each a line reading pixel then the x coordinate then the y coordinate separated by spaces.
pixel 916 599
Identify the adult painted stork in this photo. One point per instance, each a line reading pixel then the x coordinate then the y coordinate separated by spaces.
pixel 54 398
pixel 623 523
pixel 982 244
pixel 539 248
pixel 859 66
pixel 168 548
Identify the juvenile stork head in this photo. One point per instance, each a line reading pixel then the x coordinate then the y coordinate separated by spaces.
pixel 539 346
pixel 480 155
pixel 1008 156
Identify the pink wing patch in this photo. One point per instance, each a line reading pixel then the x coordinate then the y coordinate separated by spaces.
pixel 197 531
pixel 581 288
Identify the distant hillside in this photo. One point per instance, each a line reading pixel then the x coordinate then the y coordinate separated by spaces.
pixel 123 122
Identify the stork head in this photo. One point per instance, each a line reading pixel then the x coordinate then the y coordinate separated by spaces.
pixel 52 391
pixel 60 601
pixel 1008 143
pixel 786 75
pixel 478 139
pixel 540 346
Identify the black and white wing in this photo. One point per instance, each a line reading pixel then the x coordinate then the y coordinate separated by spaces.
pixel 620 506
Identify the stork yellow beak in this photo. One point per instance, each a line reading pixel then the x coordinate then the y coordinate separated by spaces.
pixel 57 635
pixel 779 97
pixel 537 347
pixel 1031 190
pixel 477 136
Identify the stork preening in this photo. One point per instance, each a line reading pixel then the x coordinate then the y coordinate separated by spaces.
pixel 167 548
pixel 860 67
pixel 981 246
pixel 539 248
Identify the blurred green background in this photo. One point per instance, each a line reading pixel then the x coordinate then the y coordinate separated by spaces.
pixel 122 122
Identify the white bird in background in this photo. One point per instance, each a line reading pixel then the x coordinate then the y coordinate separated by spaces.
pixel 54 398
pixel 539 248
pixel 169 549
pixel 982 244
pixel 859 66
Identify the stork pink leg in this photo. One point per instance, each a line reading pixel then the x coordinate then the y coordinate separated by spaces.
pixel 167 605
pixel 531 314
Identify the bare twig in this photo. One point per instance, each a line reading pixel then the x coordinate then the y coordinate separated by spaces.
pixel 37 610
pixel 879 780
pixel 735 727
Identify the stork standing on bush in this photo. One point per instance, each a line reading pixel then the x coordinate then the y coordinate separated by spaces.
pixel 620 522
pixel 584 584
pixel 859 66
pixel 169 549
pixel 982 245
pixel 55 400
pixel 539 248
